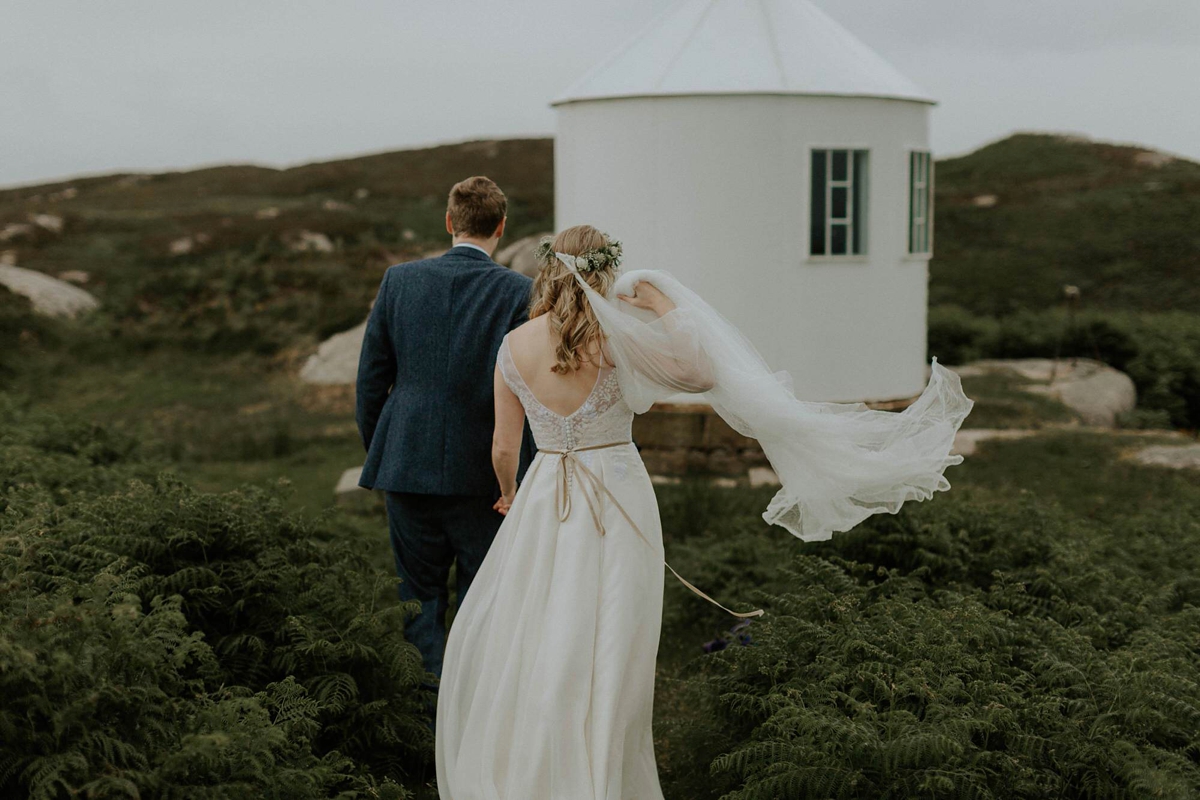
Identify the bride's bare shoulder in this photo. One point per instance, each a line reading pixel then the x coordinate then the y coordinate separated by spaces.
pixel 530 333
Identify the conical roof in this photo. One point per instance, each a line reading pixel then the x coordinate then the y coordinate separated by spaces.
pixel 702 47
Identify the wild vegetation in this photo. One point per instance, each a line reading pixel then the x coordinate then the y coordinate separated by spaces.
pixel 186 616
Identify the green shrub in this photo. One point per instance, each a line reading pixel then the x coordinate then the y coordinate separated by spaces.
pixel 888 689
pixel 160 642
pixel 21 331
pixel 230 303
pixel 988 643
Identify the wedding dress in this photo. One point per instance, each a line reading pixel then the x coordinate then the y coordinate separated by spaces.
pixel 547 684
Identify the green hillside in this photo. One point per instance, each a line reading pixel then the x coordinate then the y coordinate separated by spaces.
pixel 1016 221
pixel 215 257
pixel 1121 223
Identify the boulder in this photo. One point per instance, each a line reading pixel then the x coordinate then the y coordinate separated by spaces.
pixel 349 493
pixel 181 246
pixel 49 296
pixel 309 242
pixel 518 256
pixel 336 360
pixel 762 476
pixel 1173 456
pixel 1092 389
pixel 15 230
pixel 51 222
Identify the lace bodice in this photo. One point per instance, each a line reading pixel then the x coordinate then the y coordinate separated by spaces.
pixel 604 417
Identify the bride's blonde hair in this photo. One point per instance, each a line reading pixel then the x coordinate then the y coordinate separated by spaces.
pixel 557 294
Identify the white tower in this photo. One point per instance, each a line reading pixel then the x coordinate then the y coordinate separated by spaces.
pixel 777 166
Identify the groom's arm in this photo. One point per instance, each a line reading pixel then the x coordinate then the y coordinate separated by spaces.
pixel 376 366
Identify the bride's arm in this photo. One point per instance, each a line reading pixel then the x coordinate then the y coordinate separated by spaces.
pixel 506 440
pixel 682 363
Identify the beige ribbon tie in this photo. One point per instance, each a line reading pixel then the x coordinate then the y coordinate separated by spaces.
pixel 569 465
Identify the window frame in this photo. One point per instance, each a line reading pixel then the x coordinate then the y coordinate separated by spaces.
pixel 851 149
pixel 912 185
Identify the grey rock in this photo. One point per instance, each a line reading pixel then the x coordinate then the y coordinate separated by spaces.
pixel 308 242
pixel 518 256
pixel 336 360
pixel 348 493
pixel 51 222
pixel 763 476
pixel 1092 389
pixel 1173 456
pixel 49 296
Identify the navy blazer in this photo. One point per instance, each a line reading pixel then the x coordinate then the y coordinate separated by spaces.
pixel 424 405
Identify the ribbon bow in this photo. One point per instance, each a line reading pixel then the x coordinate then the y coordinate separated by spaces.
pixel 570 464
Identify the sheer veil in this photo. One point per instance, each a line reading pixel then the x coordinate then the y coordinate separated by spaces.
pixel 838 463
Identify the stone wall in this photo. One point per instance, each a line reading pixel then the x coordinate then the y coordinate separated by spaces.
pixel 692 440
pixel 679 440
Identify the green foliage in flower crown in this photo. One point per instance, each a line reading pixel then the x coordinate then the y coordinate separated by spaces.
pixel 163 643
pixel 608 256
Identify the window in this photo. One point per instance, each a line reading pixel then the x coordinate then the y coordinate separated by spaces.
pixel 920 202
pixel 839 203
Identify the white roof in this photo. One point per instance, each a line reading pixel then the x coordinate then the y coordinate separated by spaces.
pixel 743 47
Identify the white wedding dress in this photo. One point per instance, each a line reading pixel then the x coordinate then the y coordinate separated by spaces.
pixel 548 678
pixel 547 683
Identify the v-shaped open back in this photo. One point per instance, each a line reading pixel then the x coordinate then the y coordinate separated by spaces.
pixel 590 423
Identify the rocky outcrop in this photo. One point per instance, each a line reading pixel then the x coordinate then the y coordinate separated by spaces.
pixel 308 242
pixel 1095 391
pixel 1173 456
pixel 518 256
pixel 336 360
pixel 49 296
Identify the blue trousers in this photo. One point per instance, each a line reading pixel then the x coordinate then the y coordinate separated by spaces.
pixel 428 533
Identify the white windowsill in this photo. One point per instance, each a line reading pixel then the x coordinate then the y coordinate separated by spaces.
pixel 838 259
pixel 919 257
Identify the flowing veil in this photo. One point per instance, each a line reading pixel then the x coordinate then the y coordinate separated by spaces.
pixel 837 463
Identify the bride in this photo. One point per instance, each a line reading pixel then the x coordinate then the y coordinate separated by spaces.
pixel 548 678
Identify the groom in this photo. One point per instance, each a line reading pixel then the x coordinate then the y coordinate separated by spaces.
pixel 425 407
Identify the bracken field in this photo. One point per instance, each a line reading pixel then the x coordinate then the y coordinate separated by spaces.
pixel 186 614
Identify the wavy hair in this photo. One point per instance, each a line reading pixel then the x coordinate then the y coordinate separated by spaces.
pixel 557 294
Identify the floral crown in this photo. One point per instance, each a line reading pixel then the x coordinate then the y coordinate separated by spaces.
pixel 600 258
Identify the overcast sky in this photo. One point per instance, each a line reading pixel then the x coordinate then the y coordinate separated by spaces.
pixel 90 86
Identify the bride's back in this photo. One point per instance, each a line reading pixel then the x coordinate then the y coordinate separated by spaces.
pixel 533 348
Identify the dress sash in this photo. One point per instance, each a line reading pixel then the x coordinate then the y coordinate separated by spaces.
pixel 569 464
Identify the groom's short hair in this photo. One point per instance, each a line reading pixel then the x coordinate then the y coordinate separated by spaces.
pixel 477 207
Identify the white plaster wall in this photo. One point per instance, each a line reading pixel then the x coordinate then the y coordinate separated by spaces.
pixel 715 189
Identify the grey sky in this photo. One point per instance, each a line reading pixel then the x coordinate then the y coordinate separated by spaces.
pixel 107 85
